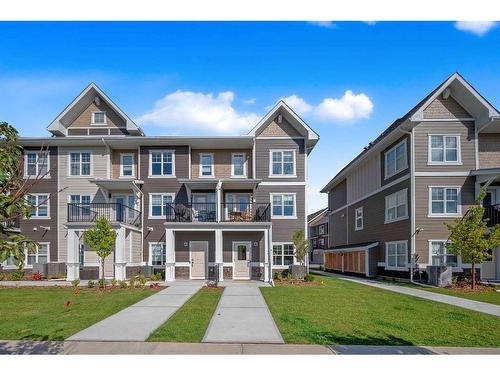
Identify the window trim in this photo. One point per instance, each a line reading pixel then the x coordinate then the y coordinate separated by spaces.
pixel 233 154
pixel 356 211
pixel 150 204
pixel 459 201
pixel 444 162
pixel 212 165
pixel 282 217
pixel 92 120
pixel 386 220
pixel 393 268
pixel 150 172
pixel 30 266
pixel 458 268
pixel 150 258
pixel 26 175
pixel 36 217
pixel 91 163
pixel 121 164
pixel 321 227
pixel 282 266
pixel 386 176
pixel 271 174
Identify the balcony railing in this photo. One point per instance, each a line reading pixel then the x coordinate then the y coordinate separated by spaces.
pixel 246 212
pixel 492 213
pixel 12 224
pixel 114 212
pixel 207 212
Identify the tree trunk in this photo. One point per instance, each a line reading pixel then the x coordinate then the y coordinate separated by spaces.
pixel 102 271
pixel 473 273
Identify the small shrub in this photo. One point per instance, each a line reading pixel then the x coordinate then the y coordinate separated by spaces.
pixel 91 284
pixel 123 284
pixel 156 277
pixel 277 276
pixel 49 277
pixel 102 283
pixel 114 282
pixel 2 276
pixel 288 276
pixel 37 276
pixel 131 281
pixel 141 279
pixel 75 283
pixel 16 276
pixel 309 278
pixel 60 275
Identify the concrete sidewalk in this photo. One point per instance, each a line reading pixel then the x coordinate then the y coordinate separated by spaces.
pixel 127 348
pixel 487 308
pixel 137 322
pixel 242 316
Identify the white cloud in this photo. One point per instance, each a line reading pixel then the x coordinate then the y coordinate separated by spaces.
pixel 250 101
pixel 315 200
pixel 327 24
pixel 198 112
pixel 349 108
pixel 478 28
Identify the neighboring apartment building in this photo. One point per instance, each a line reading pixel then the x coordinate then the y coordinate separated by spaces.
pixel 389 203
pixel 318 235
pixel 193 207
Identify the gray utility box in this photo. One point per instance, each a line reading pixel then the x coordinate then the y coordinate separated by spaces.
pixel 439 275
pixel 297 271
pixel 50 269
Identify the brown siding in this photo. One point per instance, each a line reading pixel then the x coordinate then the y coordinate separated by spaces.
pixel 222 162
pixel 445 109
pixel 279 130
pixel 382 161
pixel 262 147
pixel 338 228
pixel 116 161
pixel 182 252
pixel 338 195
pixel 257 251
pixel 85 118
pixel 489 150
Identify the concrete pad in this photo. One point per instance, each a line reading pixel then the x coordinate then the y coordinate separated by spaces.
pixel 241 291
pixel 164 300
pixel 181 289
pixel 243 301
pixel 281 349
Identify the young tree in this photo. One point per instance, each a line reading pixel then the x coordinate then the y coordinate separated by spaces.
pixel 471 239
pixel 301 245
pixel 101 239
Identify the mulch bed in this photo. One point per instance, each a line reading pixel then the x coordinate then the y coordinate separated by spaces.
pixel 298 282
pixel 459 287
pixel 213 287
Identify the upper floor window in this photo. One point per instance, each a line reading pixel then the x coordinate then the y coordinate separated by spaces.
pixel 321 229
pixel 358 218
pixel 206 165
pixel 283 254
pixel 127 165
pixel 80 164
pixel 444 201
pixel 36 163
pixel 98 118
pixel 396 206
pixel 396 159
pixel 396 255
pixel 444 149
pixel 238 165
pixel 283 205
pixel 282 163
pixel 162 163
pixel 40 203
pixel 159 204
pixel 440 255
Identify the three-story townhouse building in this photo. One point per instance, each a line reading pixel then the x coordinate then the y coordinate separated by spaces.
pixel 318 235
pixel 388 206
pixel 192 207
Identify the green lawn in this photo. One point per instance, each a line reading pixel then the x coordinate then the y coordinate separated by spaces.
pixel 42 314
pixel 343 312
pixel 190 322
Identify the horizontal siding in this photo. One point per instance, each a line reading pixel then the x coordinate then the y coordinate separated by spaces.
pixel 364 179
pixel 262 148
pixel 255 237
pixel 116 162
pixel 222 162
pixel 489 150
pixel 85 118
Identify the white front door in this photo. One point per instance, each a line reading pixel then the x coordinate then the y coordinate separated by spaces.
pixel 198 251
pixel 242 256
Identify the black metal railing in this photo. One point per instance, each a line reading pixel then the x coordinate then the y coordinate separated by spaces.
pixel 492 214
pixel 191 212
pixel 12 224
pixel 114 212
pixel 246 212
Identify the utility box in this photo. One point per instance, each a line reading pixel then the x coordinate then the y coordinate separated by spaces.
pixel 439 275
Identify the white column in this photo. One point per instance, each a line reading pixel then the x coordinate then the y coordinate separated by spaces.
pixel 120 260
pixel 267 257
pixel 73 259
pixel 219 261
pixel 218 208
pixel 169 255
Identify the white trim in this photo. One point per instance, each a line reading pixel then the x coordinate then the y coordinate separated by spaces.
pixel 283 183
pixel 150 263
pixel 282 266
pixel 26 152
pixel 281 217
pixel 92 119
pixel 277 137
pixel 449 119
pixel 245 172
pixel 459 201
pixel 386 198
pixel 356 217
pixel 249 258
pixel 150 204
pixel 47 201
pixel 405 268
pixel 458 268
pixel 212 165
pixel 443 174
pixel 91 164
pixel 386 176
pixel 444 162
pixel 282 175
pixel 133 164
pixel 206 260
pixel 150 175
pixel 30 266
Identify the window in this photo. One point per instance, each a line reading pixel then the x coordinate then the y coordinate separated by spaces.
pixel 440 255
pixel 40 203
pixel 314 243
pixel 321 243
pixel 444 201
pixel 238 165
pixel 162 163
pixel 158 205
pixel 36 164
pixel 396 254
pixel 39 256
pixel 283 205
pixel 283 254
pixel 321 229
pixel 206 165
pixel 98 118
pixel 282 163
pixel 358 218
pixel 157 254
pixel 80 207
pixel 396 160
pixel 396 206
pixel 80 164
pixel 444 149
pixel 127 165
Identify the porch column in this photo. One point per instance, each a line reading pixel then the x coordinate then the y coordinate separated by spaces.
pixel 219 207
pixel 219 261
pixel 267 257
pixel 120 262
pixel 169 255
pixel 73 258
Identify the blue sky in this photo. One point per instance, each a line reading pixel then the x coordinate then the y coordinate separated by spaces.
pixel 349 80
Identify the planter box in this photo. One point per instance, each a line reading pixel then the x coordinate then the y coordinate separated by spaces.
pixel 439 275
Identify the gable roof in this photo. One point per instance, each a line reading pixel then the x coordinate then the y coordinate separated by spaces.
pixel 60 124
pixel 317 214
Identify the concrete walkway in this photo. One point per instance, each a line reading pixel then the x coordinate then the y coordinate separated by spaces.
pixel 137 322
pixel 487 308
pixel 82 347
pixel 242 316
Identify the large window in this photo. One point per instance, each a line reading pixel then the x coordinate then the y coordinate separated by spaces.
pixel 358 218
pixel 159 205
pixel 283 205
pixel 80 164
pixel 396 160
pixel 444 201
pixel 36 164
pixel 444 149
pixel 440 255
pixel 396 206
pixel 396 255
pixel 162 163
pixel 39 256
pixel 206 165
pixel 98 118
pixel 157 255
pixel 238 165
pixel 282 163
pixel 40 203
pixel 127 165
pixel 283 254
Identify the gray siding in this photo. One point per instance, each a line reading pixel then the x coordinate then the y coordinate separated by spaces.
pixel 338 196
pixel 489 150
pixel 182 252
pixel 338 228
pixel 384 180
pixel 230 237
pixel 445 109
pixel 262 149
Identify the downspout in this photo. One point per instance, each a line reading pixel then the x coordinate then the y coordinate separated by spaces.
pixel 108 148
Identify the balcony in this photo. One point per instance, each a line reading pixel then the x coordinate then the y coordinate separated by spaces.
pixel 13 224
pixel 114 212
pixel 246 212
pixel 492 214
pixel 207 212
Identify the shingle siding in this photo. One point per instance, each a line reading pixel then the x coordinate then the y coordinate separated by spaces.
pixel 445 109
pixel 489 150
